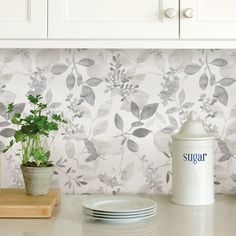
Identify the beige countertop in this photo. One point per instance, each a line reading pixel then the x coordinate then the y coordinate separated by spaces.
pixel 172 220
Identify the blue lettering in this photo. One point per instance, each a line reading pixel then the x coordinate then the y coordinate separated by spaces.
pixel 194 157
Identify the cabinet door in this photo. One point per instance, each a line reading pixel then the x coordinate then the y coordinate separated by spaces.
pixel 207 19
pixel 23 19
pixel 112 19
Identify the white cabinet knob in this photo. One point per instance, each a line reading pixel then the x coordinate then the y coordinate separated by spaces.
pixel 188 13
pixel 170 13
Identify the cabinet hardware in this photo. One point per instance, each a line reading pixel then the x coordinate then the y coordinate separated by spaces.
pixel 188 13
pixel 170 13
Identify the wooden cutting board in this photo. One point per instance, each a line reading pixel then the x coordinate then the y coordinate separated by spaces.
pixel 15 203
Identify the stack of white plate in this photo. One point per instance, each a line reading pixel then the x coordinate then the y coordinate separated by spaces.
pixel 119 208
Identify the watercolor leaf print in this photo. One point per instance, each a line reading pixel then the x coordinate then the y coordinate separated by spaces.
pixel 132 146
pixel 221 95
pixel 88 95
pixel 135 110
pixel 136 124
pixel 127 172
pixel 2 146
pixel 79 79
pixel 119 122
pixel 212 79
pixel 219 62
pixel 70 81
pixel 93 82
pixel 226 82
pixel 181 97
pixel 86 62
pixel 122 106
pixel 172 110
pixel 100 128
pixel 141 132
pixel 93 155
pixel 192 69
pixel 104 109
pixel 203 81
pixel 70 149
pixel 59 69
pixel 7 132
pixel 148 111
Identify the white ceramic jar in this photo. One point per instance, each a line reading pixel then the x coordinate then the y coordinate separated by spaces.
pixel 193 164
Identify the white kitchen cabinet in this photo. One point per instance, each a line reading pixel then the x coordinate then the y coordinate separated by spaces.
pixel 117 24
pixel 113 19
pixel 207 19
pixel 23 19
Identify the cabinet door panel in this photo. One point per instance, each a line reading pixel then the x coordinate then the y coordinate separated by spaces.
pixel 212 19
pixel 112 19
pixel 22 19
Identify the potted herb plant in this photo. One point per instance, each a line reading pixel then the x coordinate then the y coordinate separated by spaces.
pixel 32 133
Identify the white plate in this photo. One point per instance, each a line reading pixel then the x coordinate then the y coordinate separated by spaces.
pixel 119 204
pixel 88 211
pixel 122 220
pixel 120 216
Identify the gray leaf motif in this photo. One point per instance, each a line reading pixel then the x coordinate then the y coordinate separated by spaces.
pixel 225 157
pixel 137 123
pixel 187 105
pixel 168 130
pixel 88 95
pixel 172 110
pixel 7 132
pixel 132 146
pixel 70 81
pixel 2 146
pixel 203 81
pixel 149 111
pixel 108 180
pixel 181 97
pixel 221 95
pixel 4 124
pixel 222 146
pixel 59 69
pixel 192 69
pixel 19 108
pixel 5 78
pixel 100 128
pixel 226 82
pixel 104 109
pixel 127 172
pixel 212 80
pixel 92 150
pixel 90 146
pixel 70 149
pixel 167 177
pixel 135 109
pixel 219 62
pixel 91 157
pixel 93 82
pixel 54 105
pixel 141 132
pixel 86 62
pixel 173 121
pixel 79 79
pixel 119 122
pixel 48 96
pixel 26 61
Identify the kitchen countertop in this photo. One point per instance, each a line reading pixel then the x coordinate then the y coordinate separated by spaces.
pixel 218 219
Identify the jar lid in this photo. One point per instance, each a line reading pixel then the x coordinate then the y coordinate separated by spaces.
pixel 193 129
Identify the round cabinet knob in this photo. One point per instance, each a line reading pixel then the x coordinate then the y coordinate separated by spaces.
pixel 188 13
pixel 170 13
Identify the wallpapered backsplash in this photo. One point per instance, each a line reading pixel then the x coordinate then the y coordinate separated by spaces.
pixel 122 106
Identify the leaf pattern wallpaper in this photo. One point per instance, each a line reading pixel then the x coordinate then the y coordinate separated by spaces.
pixel 121 107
